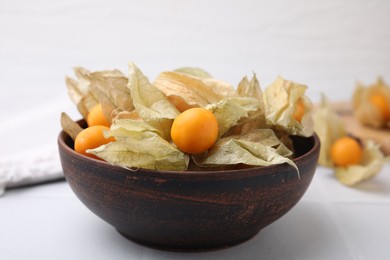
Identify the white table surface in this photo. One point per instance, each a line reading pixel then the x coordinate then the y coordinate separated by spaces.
pixel 330 222
pixel 328 45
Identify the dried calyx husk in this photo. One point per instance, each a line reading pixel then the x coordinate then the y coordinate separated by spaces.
pixel 372 104
pixel 329 128
pixel 108 87
pixel 280 100
pixel 69 126
pixel 187 90
pixel 254 126
pixel 258 147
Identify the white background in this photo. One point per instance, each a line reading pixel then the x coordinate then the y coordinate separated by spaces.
pixel 327 45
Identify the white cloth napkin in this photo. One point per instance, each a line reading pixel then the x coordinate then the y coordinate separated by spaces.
pixel 36 167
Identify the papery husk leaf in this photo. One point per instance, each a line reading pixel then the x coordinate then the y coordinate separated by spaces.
pixel 111 89
pixel 257 148
pixel 139 145
pixel 372 163
pixel 250 88
pixel 364 111
pixel 151 104
pixel 230 110
pixel 186 91
pixel 255 119
pixel 69 126
pixel 280 99
pixel 118 114
pixel 80 93
pixel 220 87
pixel 267 137
pixel 189 88
pixel 193 71
pixel 329 128
pixel 287 142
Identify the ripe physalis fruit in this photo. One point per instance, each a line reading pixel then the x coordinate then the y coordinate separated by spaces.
pixel 372 104
pixel 195 130
pixel 353 161
pixel 381 104
pixel 346 151
pixel 90 138
pixel 97 117
pixel 371 164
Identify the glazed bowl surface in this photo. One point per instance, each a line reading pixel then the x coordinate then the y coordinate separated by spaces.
pixel 192 210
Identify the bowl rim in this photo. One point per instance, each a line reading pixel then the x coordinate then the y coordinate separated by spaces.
pixel 220 174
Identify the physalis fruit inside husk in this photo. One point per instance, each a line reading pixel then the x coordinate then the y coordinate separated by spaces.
pixel 353 160
pixel 253 126
pixel 372 104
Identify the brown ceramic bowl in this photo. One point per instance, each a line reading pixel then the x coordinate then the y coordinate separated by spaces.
pixel 193 210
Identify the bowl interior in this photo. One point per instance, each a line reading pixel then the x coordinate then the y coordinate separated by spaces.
pixel 304 149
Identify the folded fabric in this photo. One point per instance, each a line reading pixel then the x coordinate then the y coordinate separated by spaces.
pixel 36 168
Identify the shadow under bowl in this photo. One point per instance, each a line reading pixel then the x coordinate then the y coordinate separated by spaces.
pixel 192 210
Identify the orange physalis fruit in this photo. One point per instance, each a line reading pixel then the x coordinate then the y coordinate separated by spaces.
pixel 380 102
pixel 195 130
pixel 90 138
pixel 97 117
pixel 346 151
